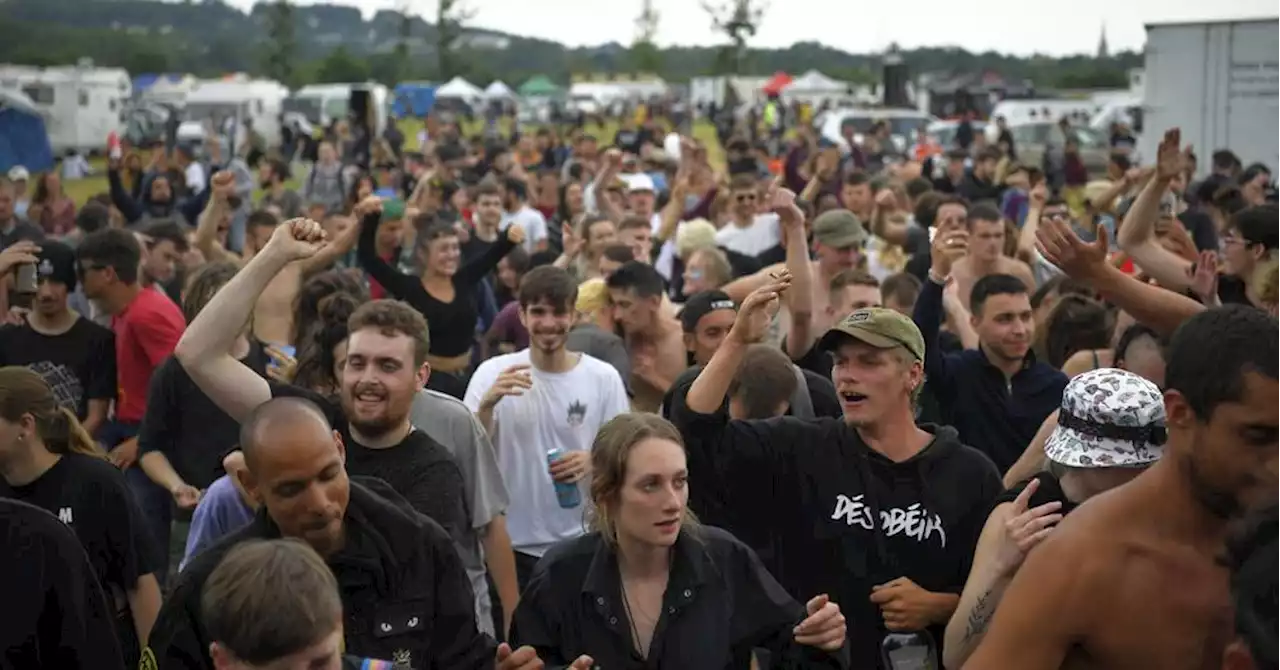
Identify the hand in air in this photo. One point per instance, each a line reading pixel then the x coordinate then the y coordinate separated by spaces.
pixel 1076 258
pixel 1025 528
pixel 369 205
pixel 782 201
pixel 758 309
pixel 223 185
pixel 22 251
pixel 1171 157
pixel 297 239
pixel 513 381
pixel 950 244
pixel 515 234
pixel 824 627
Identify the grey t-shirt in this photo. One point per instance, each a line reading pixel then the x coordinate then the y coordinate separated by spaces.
pixel 590 339
pixel 447 421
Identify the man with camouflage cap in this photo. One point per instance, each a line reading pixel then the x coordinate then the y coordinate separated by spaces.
pixel 877 512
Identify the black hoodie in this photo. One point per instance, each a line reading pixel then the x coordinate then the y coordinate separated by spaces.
pixel 803 494
pixel 405 594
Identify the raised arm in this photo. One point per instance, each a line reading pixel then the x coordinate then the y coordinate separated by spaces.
pixel 706 395
pixel 1044 611
pixel 205 347
pixel 1161 309
pixel 396 283
pixel 479 267
pixel 222 185
pixel 1137 234
pixel 800 296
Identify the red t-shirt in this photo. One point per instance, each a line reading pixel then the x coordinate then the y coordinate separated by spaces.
pixel 146 333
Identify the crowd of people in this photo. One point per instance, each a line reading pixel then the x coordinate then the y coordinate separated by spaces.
pixel 554 400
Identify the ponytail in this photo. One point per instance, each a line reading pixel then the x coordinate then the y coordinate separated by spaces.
pixel 67 436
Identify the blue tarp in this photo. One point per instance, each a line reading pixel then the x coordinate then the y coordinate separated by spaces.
pixel 412 99
pixel 143 82
pixel 23 140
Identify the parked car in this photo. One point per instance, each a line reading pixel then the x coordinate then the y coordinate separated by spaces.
pixel 1032 140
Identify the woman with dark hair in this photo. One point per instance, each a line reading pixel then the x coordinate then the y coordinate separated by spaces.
pixel 362 187
pixel 51 208
pixel 569 207
pixel 1075 323
pixel 48 460
pixel 323 348
pixel 444 293
pixel 663 591
pixel 307 303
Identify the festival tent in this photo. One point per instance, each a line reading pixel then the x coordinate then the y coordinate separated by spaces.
pixel 815 83
pixel 539 87
pixel 23 140
pixel 459 89
pixel 776 83
pixel 499 91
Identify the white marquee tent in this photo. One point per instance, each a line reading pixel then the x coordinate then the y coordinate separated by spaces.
pixel 461 89
pixel 814 86
pixel 499 91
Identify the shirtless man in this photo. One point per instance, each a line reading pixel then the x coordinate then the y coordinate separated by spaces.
pixel 1133 579
pixel 986 249
pixel 838 238
pixel 273 312
pixel 655 338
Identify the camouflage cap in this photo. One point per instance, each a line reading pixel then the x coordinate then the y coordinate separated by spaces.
pixel 879 327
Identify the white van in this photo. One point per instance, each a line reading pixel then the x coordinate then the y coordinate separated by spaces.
pixel 81 104
pixel 322 104
pixel 226 105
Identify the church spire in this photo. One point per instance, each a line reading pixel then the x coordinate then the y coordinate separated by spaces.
pixel 1103 51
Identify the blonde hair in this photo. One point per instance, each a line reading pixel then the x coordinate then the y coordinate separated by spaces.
pixel 718 265
pixel 609 454
pixel 694 235
pixel 25 392
pixel 1266 277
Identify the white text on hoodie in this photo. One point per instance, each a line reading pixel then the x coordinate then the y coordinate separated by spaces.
pixel 915 521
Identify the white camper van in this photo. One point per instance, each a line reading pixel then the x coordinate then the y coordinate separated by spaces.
pixel 81 104
pixel 322 104
pixel 225 106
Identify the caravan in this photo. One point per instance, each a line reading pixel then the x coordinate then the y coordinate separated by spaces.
pixel 226 106
pixel 80 104
pixel 322 104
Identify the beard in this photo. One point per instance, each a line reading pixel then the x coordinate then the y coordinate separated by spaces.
pixel 379 424
pixel 1221 504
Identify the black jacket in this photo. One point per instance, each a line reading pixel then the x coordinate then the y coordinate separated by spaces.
pixel 405 594
pixel 720 603
pixel 827 514
pixel 997 415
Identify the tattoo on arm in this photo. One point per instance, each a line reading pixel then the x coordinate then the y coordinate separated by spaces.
pixel 980 616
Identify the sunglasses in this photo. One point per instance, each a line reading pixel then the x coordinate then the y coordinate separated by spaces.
pixel 746 197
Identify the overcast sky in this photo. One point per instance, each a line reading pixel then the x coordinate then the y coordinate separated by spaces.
pixel 1053 27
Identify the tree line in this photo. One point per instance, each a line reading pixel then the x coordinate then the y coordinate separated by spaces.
pixel 328 43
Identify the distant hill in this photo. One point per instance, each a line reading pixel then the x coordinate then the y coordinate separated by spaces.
pixel 209 37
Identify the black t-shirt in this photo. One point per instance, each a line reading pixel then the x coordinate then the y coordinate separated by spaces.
pixel 91 496
pixel 79 365
pixel 54 615
pixel 419 468
pixel 186 426
pixel 1231 291
pixel 1050 491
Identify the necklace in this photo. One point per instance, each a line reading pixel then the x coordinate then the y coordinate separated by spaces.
pixel 631 619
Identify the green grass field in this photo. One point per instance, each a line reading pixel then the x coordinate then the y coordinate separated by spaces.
pixel 82 189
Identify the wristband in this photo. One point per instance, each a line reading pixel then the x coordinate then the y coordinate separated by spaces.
pixel 940 281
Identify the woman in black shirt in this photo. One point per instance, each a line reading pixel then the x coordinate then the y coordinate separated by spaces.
pixel 445 293
pixel 48 460
pixel 648 587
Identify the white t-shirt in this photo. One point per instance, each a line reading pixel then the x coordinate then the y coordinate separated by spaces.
pixel 763 234
pixel 195 177
pixel 533 222
pixel 562 410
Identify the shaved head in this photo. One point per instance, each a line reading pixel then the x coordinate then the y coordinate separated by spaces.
pixel 277 415
pixel 296 470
